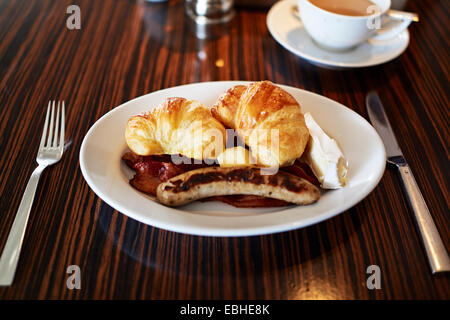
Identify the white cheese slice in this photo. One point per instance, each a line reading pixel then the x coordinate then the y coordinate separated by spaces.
pixel 324 157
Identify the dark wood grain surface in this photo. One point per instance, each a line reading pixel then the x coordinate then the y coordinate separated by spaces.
pixel 128 48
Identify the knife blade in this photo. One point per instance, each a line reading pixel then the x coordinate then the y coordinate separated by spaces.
pixel 381 123
pixel 437 254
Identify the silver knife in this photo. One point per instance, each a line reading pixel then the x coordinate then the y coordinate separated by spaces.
pixel 437 254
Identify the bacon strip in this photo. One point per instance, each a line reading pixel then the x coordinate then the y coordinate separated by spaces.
pixel 302 170
pixel 152 170
pixel 248 201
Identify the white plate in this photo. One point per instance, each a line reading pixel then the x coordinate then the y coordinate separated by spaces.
pixel 288 31
pixel 104 144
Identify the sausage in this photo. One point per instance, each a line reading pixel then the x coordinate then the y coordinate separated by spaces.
pixel 216 181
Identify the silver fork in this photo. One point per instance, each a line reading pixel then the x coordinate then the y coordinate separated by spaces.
pixel 49 153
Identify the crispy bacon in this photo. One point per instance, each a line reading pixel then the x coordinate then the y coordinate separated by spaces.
pixel 248 201
pixel 145 183
pixel 130 159
pixel 152 170
pixel 302 170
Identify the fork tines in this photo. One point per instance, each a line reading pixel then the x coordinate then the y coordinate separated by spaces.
pixel 52 138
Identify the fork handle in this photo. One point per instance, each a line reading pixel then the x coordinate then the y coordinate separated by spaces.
pixel 11 251
pixel 434 247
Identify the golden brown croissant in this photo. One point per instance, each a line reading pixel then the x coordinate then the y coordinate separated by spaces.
pixel 263 114
pixel 177 126
pixel 226 106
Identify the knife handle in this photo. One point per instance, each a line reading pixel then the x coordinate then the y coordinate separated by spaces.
pixel 437 254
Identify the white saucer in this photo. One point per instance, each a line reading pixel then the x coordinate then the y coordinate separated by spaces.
pixel 288 30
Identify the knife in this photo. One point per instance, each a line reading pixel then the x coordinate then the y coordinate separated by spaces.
pixel 438 257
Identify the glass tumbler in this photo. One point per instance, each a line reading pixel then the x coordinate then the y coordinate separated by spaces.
pixel 207 12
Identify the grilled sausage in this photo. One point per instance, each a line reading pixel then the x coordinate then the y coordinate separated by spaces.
pixel 216 181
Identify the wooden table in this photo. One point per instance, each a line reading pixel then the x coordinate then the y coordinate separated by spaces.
pixel 127 48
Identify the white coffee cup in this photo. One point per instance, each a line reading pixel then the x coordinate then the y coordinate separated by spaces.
pixel 339 32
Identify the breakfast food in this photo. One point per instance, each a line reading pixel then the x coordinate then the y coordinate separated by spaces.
pixel 236 156
pixel 177 126
pixel 154 169
pixel 226 106
pixel 172 147
pixel 324 157
pixel 214 181
pixel 265 113
pixel 151 171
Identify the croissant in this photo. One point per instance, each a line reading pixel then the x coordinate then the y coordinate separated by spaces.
pixel 226 107
pixel 177 126
pixel 268 119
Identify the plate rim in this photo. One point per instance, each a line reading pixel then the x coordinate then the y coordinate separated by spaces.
pixel 318 61
pixel 218 231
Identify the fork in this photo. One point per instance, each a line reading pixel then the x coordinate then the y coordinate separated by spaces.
pixel 48 154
